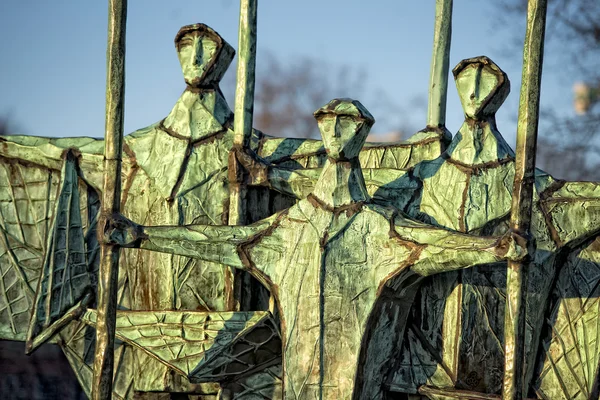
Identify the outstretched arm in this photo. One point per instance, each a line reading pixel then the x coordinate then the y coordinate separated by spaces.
pixel 49 153
pixel 295 183
pixel 443 250
pixel 205 242
pixel 572 211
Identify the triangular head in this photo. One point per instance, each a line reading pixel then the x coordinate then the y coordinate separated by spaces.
pixel 344 126
pixel 203 54
pixel 482 86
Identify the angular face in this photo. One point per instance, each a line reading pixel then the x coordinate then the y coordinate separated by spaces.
pixel 343 135
pixel 195 52
pixel 475 84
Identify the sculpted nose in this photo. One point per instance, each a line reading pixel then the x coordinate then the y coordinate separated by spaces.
pixel 337 131
pixel 198 53
pixel 477 83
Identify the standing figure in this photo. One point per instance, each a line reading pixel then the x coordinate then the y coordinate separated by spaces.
pixel 327 260
pixel 174 172
pixel 469 188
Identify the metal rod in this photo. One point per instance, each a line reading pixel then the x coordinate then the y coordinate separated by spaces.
pixel 520 219
pixel 111 199
pixel 440 64
pixel 244 109
pixel 244 106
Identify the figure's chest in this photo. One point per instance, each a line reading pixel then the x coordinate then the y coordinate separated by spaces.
pixel 178 183
pixel 355 263
pixel 318 260
pixel 202 196
pixel 467 199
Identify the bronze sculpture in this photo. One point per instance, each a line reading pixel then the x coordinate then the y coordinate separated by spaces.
pixel 452 342
pixel 327 260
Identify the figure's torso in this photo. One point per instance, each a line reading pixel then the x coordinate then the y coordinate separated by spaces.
pixel 177 180
pixel 469 189
pixel 326 271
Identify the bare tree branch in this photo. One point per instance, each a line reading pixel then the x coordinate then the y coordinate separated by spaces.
pixel 289 91
pixel 570 146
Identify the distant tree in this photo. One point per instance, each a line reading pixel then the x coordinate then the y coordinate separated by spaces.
pixel 287 93
pixel 569 143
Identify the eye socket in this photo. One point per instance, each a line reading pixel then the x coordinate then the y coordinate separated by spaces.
pixel 185 42
pixel 348 124
pixel 326 126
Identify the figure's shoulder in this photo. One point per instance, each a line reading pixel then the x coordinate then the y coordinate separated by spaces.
pixel 428 168
pixel 307 210
pixel 431 134
pixel 158 154
pixel 140 134
pixel 377 217
pixel 154 139
pixel 403 221
pixel 384 223
pixel 84 144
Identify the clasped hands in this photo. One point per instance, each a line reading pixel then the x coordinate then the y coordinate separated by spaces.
pixel 257 168
pixel 514 246
pixel 121 231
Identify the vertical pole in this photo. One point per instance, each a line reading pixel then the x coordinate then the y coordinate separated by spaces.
pixel 520 218
pixel 111 199
pixel 440 63
pixel 436 119
pixel 242 126
pixel 244 107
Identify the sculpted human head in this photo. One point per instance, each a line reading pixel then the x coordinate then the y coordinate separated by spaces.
pixel 344 126
pixel 482 86
pixel 203 54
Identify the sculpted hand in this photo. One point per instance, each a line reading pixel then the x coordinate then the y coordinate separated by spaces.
pixel 512 246
pixel 123 232
pixel 257 167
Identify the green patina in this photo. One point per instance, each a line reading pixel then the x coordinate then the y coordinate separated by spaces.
pixel 327 261
pixel 353 270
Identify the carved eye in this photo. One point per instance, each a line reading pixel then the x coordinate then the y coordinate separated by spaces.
pixel 347 123
pixel 185 42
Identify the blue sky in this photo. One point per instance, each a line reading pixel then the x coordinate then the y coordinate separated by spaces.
pixel 53 56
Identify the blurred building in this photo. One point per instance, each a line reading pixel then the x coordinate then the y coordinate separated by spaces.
pixel 393 136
